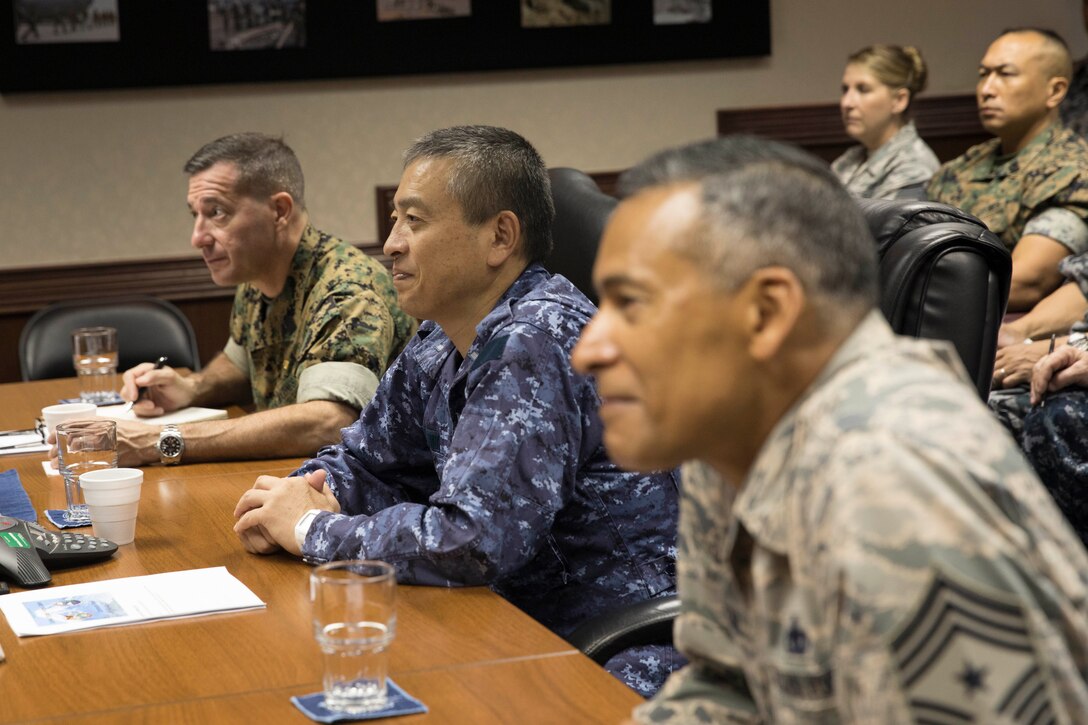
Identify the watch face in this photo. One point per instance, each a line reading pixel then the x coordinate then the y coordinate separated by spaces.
pixel 170 446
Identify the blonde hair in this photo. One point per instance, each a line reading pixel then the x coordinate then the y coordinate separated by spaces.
pixel 894 66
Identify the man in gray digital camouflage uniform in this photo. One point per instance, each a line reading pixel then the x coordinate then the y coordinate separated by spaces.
pixel 314 325
pixel 860 541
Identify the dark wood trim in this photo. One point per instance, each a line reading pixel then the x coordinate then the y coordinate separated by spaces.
pixel 174 279
pixel 182 280
pixel 27 290
pixel 948 123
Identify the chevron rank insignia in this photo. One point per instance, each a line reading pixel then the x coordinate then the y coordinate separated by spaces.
pixel 966 654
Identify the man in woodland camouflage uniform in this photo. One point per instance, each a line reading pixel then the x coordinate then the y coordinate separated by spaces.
pixel 480 459
pixel 314 325
pixel 1030 184
pixel 860 541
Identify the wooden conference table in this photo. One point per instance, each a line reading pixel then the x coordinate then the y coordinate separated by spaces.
pixel 466 653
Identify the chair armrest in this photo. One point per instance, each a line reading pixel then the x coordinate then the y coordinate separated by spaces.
pixel 642 623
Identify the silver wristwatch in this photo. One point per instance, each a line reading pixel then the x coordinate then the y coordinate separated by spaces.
pixel 1078 340
pixel 171 445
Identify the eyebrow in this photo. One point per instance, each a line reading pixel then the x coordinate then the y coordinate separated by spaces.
pixel 618 280
pixel 999 66
pixel 410 201
pixel 209 197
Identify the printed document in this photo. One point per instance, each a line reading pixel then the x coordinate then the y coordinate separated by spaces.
pixel 124 601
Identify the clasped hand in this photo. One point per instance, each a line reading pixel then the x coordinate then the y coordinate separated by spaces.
pixel 267 513
pixel 1014 362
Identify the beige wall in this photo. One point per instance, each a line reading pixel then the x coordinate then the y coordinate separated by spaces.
pixel 96 176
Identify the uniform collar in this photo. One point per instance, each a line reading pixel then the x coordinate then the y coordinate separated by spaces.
pixel 877 163
pixel 759 505
pixel 435 346
pixel 997 166
pixel 270 311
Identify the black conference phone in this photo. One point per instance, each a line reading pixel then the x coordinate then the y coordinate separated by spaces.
pixel 28 552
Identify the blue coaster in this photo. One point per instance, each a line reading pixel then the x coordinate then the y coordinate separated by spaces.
pixel 400 703
pixel 59 518
pixel 13 498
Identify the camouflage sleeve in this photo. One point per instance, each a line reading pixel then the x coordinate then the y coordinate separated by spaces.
pixel 509 468
pixel 1061 225
pixel 345 382
pixel 237 355
pixel 1075 268
pixel 933 609
pixel 381 460
pixel 350 324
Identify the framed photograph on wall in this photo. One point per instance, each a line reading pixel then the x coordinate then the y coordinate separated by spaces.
pixel 87 44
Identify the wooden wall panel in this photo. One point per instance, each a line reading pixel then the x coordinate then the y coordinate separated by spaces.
pixel 183 281
pixel 949 124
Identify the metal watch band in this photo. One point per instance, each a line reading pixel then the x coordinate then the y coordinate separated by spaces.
pixel 171 445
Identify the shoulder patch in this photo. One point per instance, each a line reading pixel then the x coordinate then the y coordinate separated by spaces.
pixel 966 655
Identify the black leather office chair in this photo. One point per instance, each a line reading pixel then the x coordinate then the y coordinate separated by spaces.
pixel 643 623
pixel 147 327
pixel 581 212
pixel 943 276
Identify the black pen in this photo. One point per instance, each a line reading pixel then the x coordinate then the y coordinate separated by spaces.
pixel 142 394
pixel 1053 337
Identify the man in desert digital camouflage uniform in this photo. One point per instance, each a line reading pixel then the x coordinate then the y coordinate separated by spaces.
pixel 860 541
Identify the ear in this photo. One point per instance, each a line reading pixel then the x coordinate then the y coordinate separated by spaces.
pixel 777 301
pixel 900 101
pixel 506 239
pixel 1056 89
pixel 282 206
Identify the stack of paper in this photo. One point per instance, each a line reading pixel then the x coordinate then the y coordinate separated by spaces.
pixel 125 601
pixel 21 442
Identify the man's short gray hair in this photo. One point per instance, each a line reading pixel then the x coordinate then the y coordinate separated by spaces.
pixel 266 165
pixel 769 204
pixel 494 170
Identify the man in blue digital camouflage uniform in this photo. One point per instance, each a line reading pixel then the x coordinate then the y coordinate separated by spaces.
pixel 480 459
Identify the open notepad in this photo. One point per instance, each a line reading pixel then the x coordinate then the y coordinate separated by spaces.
pixel 185 415
pixel 125 601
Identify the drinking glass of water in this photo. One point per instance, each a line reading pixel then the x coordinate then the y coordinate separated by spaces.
pixel 94 353
pixel 355 618
pixel 83 446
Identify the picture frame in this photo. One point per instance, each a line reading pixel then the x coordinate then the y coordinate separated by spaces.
pixel 171 43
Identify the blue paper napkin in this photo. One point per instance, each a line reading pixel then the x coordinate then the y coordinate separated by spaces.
pixel 59 518
pixel 13 498
pixel 400 703
pixel 115 400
